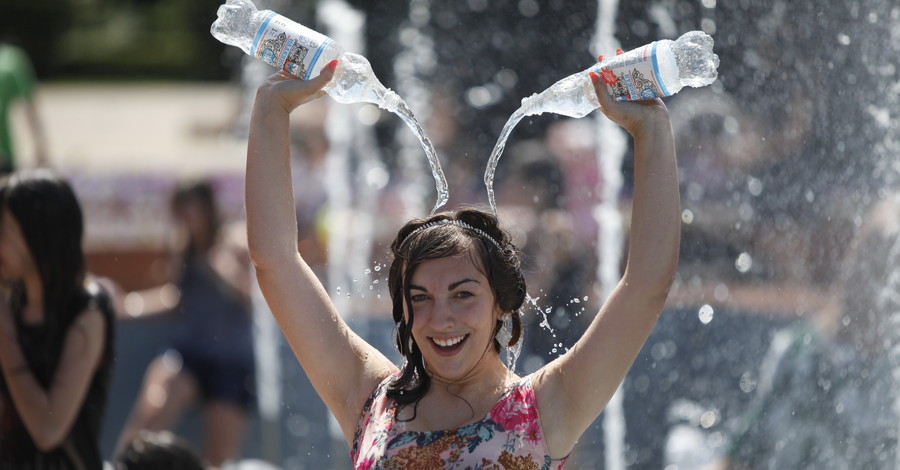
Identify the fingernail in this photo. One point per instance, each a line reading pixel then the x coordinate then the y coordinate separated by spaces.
pixel 332 65
pixel 600 58
pixel 619 51
pixel 594 77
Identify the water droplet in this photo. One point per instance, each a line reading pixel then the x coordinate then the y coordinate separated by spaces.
pixel 339 290
pixel 843 39
pixel 755 186
pixel 377 267
pixel 706 314
pixel 368 271
pixel 687 216
pixel 375 281
pixel 708 419
pixel 744 262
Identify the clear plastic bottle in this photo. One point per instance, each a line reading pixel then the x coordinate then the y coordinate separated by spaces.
pixel 301 51
pixel 661 68
pixel 292 47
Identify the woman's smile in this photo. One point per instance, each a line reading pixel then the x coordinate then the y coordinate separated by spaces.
pixel 448 345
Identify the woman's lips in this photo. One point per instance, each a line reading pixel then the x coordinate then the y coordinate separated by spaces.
pixel 448 345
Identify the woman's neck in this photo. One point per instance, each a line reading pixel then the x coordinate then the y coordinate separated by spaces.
pixel 486 378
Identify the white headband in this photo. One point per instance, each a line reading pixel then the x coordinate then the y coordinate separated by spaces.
pixel 458 223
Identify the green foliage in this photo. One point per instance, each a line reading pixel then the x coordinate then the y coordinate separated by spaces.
pixel 117 39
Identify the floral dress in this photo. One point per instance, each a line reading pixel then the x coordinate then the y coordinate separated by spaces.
pixel 508 438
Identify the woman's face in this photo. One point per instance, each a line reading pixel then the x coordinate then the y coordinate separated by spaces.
pixel 15 258
pixel 455 316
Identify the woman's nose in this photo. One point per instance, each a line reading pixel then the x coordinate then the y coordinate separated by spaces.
pixel 442 315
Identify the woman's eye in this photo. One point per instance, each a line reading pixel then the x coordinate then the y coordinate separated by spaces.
pixel 418 297
pixel 464 294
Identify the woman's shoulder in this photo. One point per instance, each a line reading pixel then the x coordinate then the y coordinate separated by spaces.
pixel 98 299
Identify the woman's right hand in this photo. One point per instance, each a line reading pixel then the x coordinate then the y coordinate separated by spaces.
pixel 288 91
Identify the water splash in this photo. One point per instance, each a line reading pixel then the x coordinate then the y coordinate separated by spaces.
pixel 497 152
pixel 355 83
pixel 443 192
pixel 609 235
pixel 415 60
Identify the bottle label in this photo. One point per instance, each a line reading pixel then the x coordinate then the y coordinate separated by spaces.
pixel 289 46
pixel 634 75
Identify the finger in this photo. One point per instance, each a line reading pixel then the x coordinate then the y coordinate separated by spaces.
pixel 603 96
pixel 326 73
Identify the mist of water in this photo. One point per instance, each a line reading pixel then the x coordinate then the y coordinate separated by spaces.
pixel 414 60
pixel 611 148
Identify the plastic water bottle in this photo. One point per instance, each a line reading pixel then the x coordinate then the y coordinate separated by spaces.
pixel 292 47
pixel 301 51
pixel 661 68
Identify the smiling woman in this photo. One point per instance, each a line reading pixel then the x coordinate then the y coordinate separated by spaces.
pixel 460 282
pixel 456 288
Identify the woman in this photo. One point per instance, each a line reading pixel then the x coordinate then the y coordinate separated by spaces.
pixel 55 330
pixel 210 359
pixel 455 283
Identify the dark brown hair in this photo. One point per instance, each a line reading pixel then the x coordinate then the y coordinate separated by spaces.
pixel 424 239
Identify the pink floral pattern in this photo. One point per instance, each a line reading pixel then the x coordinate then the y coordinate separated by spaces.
pixel 509 437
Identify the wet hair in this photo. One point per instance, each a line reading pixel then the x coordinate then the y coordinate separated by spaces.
pixel 203 194
pixel 50 218
pixel 470 231
pixel 156 450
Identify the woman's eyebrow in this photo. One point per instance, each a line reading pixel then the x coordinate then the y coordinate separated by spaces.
pixel 449 288
pixel 463 281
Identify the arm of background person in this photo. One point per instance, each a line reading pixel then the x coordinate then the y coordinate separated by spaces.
pixel 37 132
pixel 48 414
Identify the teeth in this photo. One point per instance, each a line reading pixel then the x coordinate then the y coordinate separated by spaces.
pixel 447 342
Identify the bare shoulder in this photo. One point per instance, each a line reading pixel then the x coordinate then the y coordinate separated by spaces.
pixel 89 325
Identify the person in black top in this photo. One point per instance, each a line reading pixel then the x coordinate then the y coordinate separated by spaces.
pixel 55 330
pixel 209 359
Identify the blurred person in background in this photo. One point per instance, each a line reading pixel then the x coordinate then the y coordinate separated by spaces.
pixel 210 359
pixel 17 81
pixel 56 329
pixel 558 263
pixel 828 387
pixel 159 450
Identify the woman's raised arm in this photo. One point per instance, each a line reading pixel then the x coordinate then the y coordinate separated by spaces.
pixel 574 389
pixel 342 367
